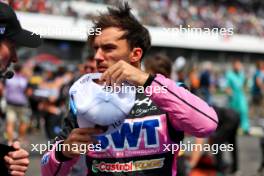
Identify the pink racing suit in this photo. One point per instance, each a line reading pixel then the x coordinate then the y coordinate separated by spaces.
pixel 142 146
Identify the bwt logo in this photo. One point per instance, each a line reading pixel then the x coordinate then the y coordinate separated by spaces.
pixel 130 134
pixel 2 30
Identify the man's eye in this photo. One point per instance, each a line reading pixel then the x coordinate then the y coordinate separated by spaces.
pixel 110 48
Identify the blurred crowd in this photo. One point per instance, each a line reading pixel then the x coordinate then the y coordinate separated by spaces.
pixel 243 102
pixel 203 14
pixel 37 93
pixel 243 18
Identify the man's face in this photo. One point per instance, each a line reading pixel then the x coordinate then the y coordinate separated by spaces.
pixel 109 48
pixel 90 66
pixel 262 66
pixel 7 55
pixel 237 65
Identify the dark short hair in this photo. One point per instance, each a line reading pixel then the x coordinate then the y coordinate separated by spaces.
pixel 159 63
pixel 90 57
pixel 121 17
pixel 259 64
pixel 17 67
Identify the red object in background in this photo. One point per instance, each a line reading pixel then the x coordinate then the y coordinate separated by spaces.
pixel 16 5
pixel 45 58
pixel 232 10
pixel 41 6
pixel 202 172
pixel 205 167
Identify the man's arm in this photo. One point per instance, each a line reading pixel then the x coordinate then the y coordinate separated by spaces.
pixel 60 162
pixel 53 163
pixel 186 111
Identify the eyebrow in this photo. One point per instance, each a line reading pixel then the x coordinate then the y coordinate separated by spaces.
pixel 106 45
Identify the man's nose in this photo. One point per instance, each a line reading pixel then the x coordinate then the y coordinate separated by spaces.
pixel 99 55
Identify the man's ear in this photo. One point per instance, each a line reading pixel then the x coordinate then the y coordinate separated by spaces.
pixel 136 55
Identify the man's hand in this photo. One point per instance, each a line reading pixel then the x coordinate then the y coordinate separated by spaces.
pixel 80 136
pixel 17 161
pixel 121 72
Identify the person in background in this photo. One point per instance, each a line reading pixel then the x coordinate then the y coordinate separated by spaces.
pixel 181 77
pixel 235 82
pixel 206 83
pixel 257 101
pixel 17 104
pixel 158 64
pixel 49 91
pixel 34 82
pixel 257 91
pixel 89 65
pixel 194 80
